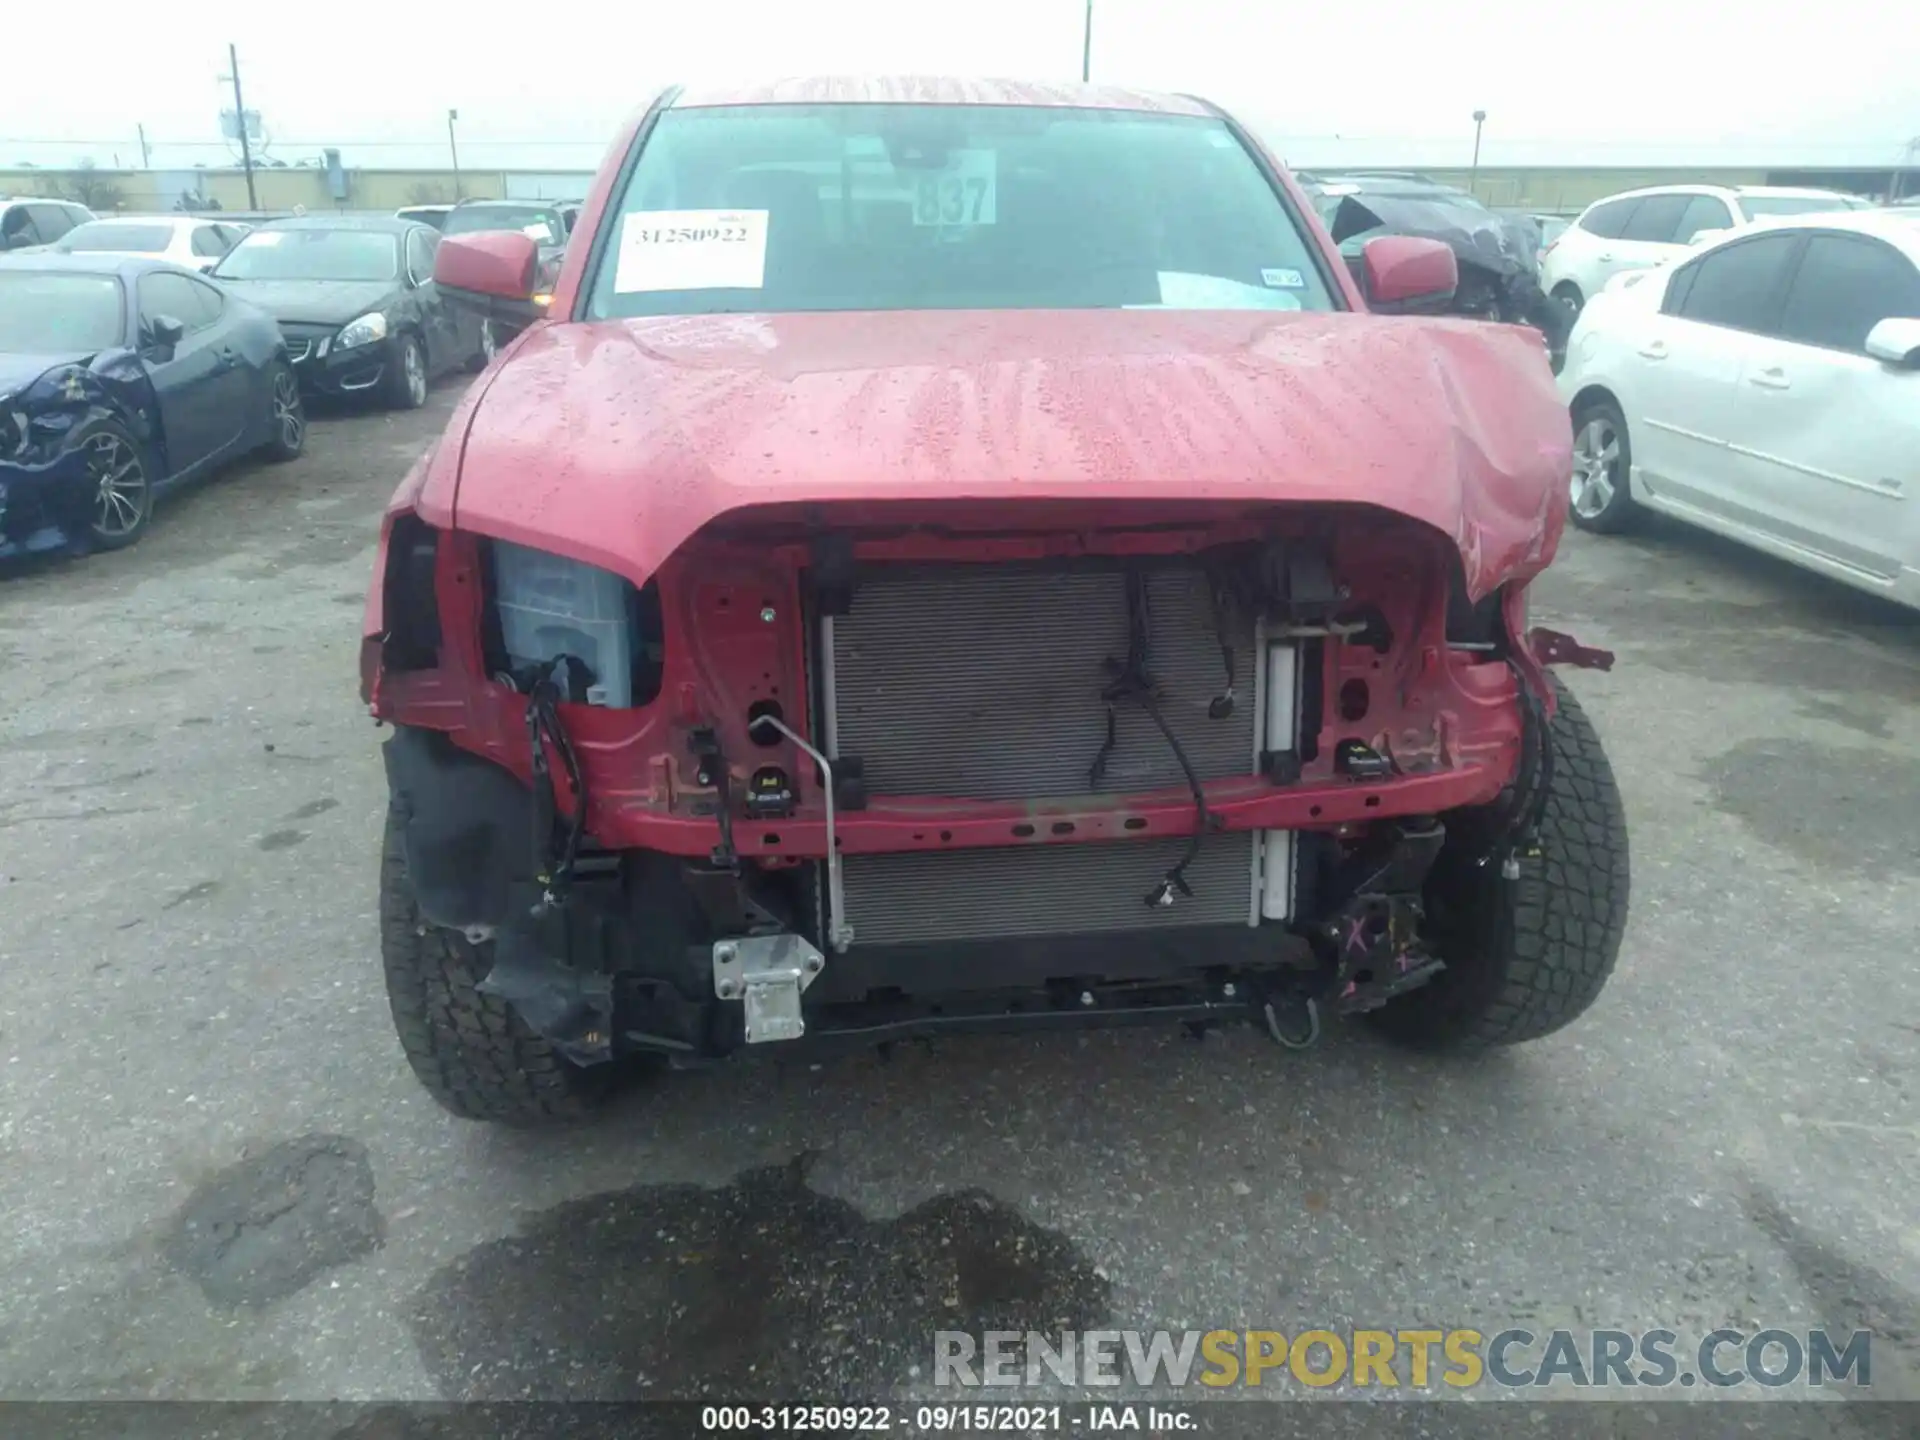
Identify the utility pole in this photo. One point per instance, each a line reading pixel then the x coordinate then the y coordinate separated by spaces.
pixel 240 123
pixel 143 145
pixel 1473 176
pixel 1898 187
pixel 454 146
pixel 1086 46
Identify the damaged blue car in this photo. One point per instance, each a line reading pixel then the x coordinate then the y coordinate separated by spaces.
pixel 119 380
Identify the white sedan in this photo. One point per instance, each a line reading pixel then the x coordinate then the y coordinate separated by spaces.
pixel 1769 389
pixel 189 240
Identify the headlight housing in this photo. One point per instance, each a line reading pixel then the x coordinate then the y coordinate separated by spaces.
pixel 13 429
pixel 364 331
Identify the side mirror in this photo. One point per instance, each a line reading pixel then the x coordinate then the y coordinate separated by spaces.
pixel 1701 237
pixel 1403 275
pixel 164 332
pixel 491 271
pixel 1896 340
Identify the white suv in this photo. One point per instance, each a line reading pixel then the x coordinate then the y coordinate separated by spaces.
pixel 1642 228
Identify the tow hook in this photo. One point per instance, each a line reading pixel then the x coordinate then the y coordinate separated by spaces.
pixel 1292 1020
pixel 1286 1010
pixel 766 974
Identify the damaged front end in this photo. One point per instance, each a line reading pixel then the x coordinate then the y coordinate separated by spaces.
pixel 862 772
pixel 47 486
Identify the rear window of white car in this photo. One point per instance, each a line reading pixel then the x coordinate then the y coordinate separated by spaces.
pixel 119 237
pixel 773 208
pixel 1758 206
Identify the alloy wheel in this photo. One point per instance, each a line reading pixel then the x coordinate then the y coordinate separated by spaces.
pixel 416 365
pixel 1596 457
pixel 289 419
pixel 120 493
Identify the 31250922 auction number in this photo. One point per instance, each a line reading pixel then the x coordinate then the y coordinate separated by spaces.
pixel 796 1419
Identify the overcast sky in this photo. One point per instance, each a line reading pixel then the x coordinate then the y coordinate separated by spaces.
pixel 543 85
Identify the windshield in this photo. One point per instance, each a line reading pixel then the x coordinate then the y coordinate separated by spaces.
pixel 533 220
pixel 117 236
pixel 1759 205
pixel 312 255
pixel 935 207
pixel 48 314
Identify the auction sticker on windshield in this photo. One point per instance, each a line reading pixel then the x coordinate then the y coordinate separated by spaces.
pixel 960 194
pixel 692 250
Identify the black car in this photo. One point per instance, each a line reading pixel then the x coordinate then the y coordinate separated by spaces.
pixel 1499 255
pixel 119 379
pixel 355 297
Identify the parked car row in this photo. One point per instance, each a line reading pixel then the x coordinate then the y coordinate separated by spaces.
pixel 125 373
pixel 1767 388
pixel 193 241
pixel 1641 228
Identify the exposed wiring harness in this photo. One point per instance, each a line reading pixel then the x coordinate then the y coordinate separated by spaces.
pixel 1132 682
pixel 1529 806
pixel 564 679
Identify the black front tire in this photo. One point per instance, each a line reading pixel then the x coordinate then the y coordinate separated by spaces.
pixel 489 344
pixel 405 385
pixel 1526 957
pixel 1568 294
pixel 470 1050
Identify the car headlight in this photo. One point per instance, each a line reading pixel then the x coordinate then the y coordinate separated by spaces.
pixel 364 331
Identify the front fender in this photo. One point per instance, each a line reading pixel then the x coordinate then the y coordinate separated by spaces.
pixel 43 480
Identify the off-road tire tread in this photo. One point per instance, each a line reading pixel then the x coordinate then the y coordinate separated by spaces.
pixel 473 1054
pixel 1558 937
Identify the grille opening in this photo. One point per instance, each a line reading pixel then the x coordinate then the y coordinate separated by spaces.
pixel 1023 831
pixel 1354 700
pixel 765 736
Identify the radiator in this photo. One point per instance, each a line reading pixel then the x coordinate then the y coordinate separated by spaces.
pixel 984 683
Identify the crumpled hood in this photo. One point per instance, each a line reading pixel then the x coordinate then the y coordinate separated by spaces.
pixel 313 302
pixel 17 372
pixel 615 441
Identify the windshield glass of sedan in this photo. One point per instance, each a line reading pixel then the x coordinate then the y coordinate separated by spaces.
pixel 533 220
pixel 932 207
pixel 48 314
pixel 312 255
pixel 117 236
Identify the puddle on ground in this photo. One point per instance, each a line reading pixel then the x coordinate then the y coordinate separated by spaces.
pixel 1847 808
pixel 764 1288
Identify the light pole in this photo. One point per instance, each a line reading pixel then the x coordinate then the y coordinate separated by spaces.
pixel 1086 46
pixel 1473 176
pixel 454 146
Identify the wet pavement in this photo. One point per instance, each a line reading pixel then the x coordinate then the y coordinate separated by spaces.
pixel 222 1182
